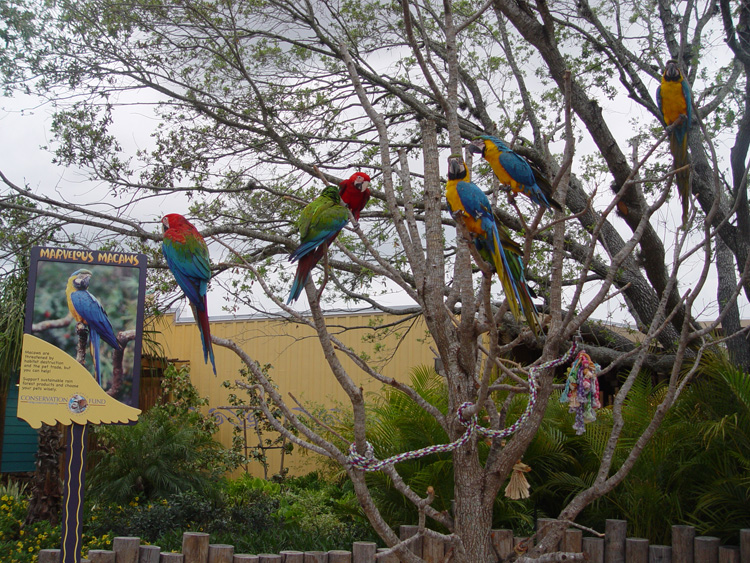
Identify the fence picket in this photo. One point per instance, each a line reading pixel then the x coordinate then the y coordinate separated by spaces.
pixel 659 554
pixel 594 548
pixel 364 551
pixel 683 543
pixel 706 549
pixel 292 556
pixel 745 545
pixel 195 547
pixel 572 541
pixel 502 541
pixel 339 556
pixel 49 556
pixel 729 554
pixel 146 554
pixel 405 532
pixel 126 549
pixel 614 541
pixel 220 553
pixel 101 556
pixel 636 550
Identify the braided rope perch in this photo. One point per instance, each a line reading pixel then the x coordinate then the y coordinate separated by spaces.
pixel 368 462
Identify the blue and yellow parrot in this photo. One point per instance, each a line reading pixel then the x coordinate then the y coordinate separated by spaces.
pixel 186 253
pixel 86 309
pixel 674 99
pixel 319 224
pixel 514 171
pixel 470 205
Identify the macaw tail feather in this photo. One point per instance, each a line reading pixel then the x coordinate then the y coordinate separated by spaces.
pixel 95 344
pixel 678 148
pixel 201 318
pixel 545 186
pixel 525 292
pixel 304 267
pixel 529 310
pixel 503 270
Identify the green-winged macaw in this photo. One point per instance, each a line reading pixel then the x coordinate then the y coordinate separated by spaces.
pixel 674 99
pixel 355 192
pixel 470 205
pixel 319 224
pixel 86 309
pixel 514 171
pixel 186 253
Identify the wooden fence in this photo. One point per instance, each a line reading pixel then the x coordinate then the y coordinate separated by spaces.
pixel 614 547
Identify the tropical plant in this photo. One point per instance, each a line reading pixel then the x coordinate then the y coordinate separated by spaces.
pixel 694 471
pixel 159 456
pixel 715 471
pixel 170 450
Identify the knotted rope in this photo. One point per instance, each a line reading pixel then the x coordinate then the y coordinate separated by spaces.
pixel 368 462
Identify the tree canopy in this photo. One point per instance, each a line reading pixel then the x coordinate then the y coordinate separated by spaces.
pixel 258 101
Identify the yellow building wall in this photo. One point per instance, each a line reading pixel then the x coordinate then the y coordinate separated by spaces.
pixel 298 364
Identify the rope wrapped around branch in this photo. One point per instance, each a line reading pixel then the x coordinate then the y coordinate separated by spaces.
pixel 367 462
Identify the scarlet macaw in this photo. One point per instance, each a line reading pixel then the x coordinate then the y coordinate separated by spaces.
pixel 86 309
pixel 319 224
pixel 186 253
pixel 514 171
pixel 674 99
pixel 470 205
pixel 355 192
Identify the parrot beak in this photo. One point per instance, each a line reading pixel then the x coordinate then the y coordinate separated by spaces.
pixel 672 71
pixel 82 280
pixel 164 224
pixel 363 186
pixel 477 146
pixel 455 167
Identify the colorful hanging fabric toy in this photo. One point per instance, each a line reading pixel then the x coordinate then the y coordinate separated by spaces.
pixel 582 391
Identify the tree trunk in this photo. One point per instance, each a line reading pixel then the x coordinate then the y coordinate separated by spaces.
pixel 473 514
pixel 46 488
pixel 739 348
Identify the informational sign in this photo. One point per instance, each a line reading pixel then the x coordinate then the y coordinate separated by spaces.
pixel 82 342
pixel 81 356
pixel 56 388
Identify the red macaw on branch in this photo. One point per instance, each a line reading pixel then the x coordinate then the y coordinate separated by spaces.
pixel 355 192
pixel 186 253
pixel 86 309
pixel 674 100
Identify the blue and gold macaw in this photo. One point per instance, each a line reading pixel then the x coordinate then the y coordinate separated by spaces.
pixel 86 309
pixel 319 224
pixel 674 99
pixel 514 171
pixel 470 205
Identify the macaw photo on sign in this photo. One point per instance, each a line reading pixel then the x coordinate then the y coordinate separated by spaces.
pixel 82 342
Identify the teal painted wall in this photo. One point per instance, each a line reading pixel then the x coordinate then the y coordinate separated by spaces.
pixel 20 440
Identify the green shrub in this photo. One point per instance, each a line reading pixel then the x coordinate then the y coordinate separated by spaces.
pixel 170 450
pixel 158 457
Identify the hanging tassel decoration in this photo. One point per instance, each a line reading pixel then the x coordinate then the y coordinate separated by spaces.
pixel 582 391
pixel 518 487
